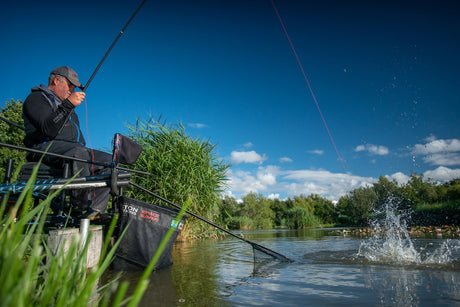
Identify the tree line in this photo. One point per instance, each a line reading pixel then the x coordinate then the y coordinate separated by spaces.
pixel 426 202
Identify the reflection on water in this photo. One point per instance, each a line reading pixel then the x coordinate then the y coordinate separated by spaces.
pixel 410 286
pixel 328 270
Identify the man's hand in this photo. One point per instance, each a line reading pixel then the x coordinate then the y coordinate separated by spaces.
pixel 76 98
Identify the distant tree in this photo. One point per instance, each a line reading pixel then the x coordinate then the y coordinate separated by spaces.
pixel 357 205
pixel 305 202
pixel 228 209
pixel 324 209
pixel 344 209
pixel 289 203
pixel 453 190
pixel 257 208
pixel 279 209
pixel 10 134
pixel 386 191
pixel 419 191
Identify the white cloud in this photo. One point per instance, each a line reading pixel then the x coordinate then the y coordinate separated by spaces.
pixel 244 182
pixel 373 149
pixel 296 182
pixel 238 157
pixel 247 182
pixel 324 183
pixel 197 125
pixel 435 146
pixel 399 177
pixel 267 175
pixel 448 158
pixel 439 152
pixel 273 196
pixel 317 152
pixel 442 174
pixel 248 144
pixel 285 159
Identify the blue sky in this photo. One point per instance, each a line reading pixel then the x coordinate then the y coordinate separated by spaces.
pixel 384 74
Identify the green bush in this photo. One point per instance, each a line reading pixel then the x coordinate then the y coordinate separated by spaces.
pixel 241 222
pixel 257 208
pixel 446 213
pixel 299 217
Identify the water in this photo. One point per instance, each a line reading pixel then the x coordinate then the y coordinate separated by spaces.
pixel 329 269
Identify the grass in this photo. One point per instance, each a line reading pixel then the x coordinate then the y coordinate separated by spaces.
pixel 32 275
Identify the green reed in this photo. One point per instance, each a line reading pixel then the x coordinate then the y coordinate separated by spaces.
pixel 182 168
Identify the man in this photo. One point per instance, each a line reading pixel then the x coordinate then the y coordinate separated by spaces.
pixel 50 121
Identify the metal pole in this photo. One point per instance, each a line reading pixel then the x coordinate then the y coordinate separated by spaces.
pixel 84 231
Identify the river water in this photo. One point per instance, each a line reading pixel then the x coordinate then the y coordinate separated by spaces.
pixel 330 268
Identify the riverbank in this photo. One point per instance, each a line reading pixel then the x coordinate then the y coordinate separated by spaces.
pixel 447 232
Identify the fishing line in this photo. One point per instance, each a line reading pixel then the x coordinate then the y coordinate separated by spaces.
pixel 306 80
pixel 89 140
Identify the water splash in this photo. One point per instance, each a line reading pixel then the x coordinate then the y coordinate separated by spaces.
pixel 392 244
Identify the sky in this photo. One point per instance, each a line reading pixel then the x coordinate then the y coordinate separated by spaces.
pixel 376 92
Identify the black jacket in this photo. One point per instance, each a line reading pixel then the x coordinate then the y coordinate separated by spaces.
pixel 44 114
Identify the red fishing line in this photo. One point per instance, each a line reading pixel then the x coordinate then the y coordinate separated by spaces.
pixel 90 146
pixel 308 83
pixel 89 140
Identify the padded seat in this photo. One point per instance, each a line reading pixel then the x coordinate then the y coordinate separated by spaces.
pixel 44 171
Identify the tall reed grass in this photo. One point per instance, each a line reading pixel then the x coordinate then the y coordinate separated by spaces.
pixel 182 168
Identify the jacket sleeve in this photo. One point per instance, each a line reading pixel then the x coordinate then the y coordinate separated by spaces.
pixel 42 117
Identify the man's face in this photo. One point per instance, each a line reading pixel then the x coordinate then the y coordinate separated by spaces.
pixel 63 88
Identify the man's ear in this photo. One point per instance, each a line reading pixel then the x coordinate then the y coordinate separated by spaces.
pixel 55 80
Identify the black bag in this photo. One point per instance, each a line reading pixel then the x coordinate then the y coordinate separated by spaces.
pixel 148 224
pixel 125 150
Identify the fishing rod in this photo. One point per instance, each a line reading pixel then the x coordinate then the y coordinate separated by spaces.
pixel 111 46
pixel 73 158
pixel 255 246
pixel 103 59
